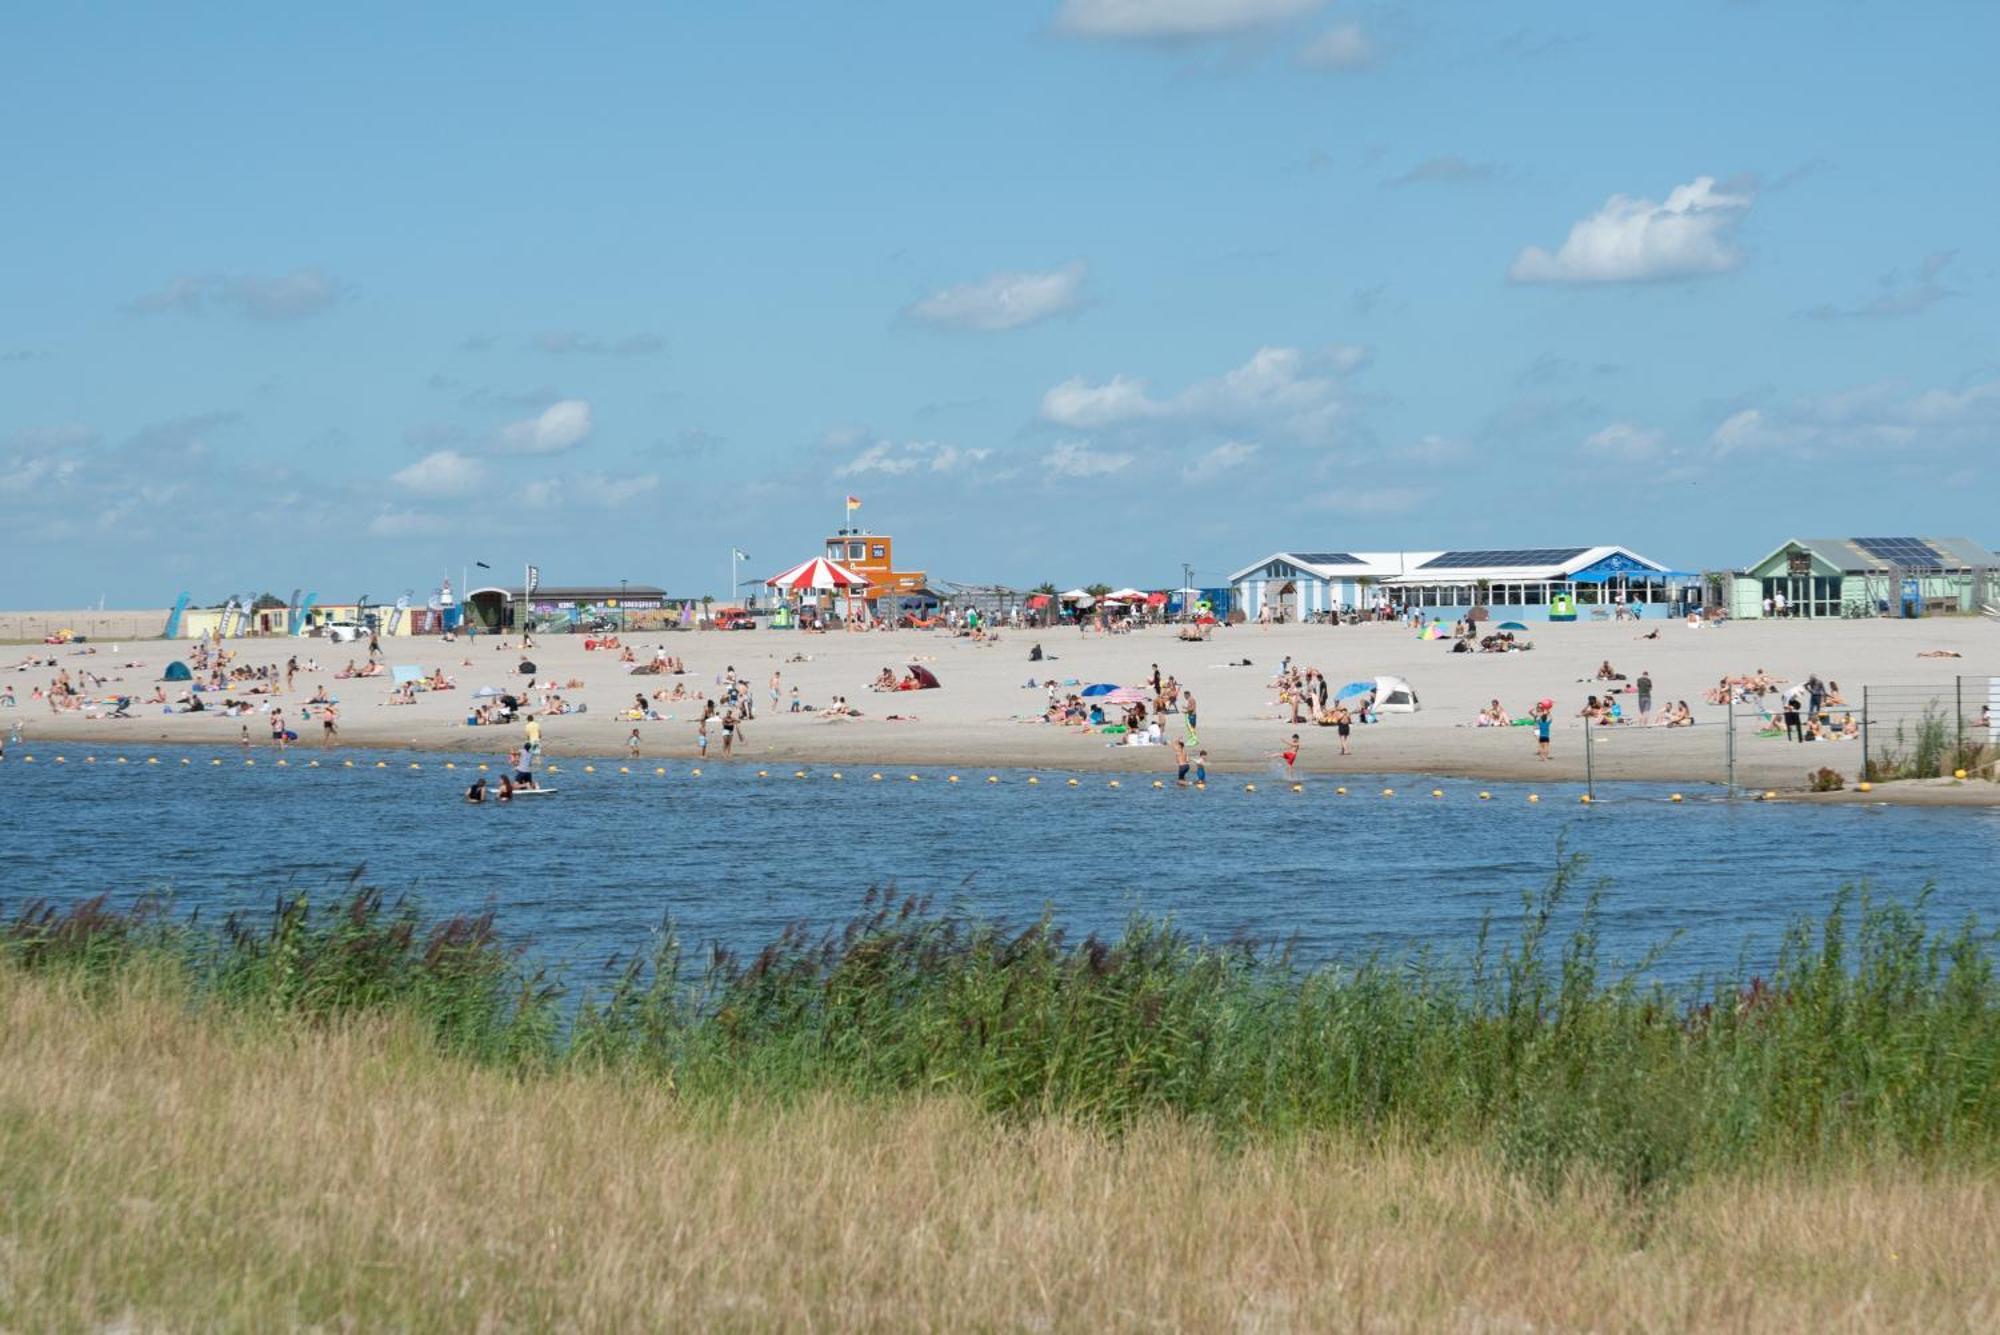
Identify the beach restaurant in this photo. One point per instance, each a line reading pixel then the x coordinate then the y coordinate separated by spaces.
pixel 1527 582
pixel 1867 577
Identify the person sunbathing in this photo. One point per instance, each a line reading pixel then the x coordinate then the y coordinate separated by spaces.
pixel 885 680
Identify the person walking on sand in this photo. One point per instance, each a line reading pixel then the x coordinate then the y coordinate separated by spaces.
pixel 1544 715
pixel 1343 724
pixel 732 730
pixel 632 744
pixel 775 688
pixel 701 738
pixel 1645 687
pixel 328 729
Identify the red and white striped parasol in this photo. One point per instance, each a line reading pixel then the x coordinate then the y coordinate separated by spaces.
pixel 818 575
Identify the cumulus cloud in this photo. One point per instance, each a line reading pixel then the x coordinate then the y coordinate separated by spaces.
pixel 442 473
pixel 1176 20
pixel 1003 300
pixel 1345 46
pixel 271 298
pixel 1077 459
pixel 889 459
pixel 1279 391
pixel 1224 458
pixel 563 425
pixel 1624 442
pixel 1633 240
pixel 1899 294
pixel 569 342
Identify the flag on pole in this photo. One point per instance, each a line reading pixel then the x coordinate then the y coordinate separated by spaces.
pixel 853 503
pixel 739 553
pixel 534 578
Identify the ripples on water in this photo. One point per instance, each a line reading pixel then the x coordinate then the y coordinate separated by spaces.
pixel 733 857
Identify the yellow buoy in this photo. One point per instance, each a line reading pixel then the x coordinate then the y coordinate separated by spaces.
pixel 216 761
pixel 763 774
pixel 1437 792
pixel 1485 797
pixel 659 769
pixel 381 764
pixel 1249 787
pixel 913 778
pixel 1342 792
pixel 694 774
pixel 482 767
pixel 450 764
pixel 993 778
pixel 587 769
pixel 312 764
pixel 415 765
pixel 1158 784
pixel 152 760
pixel 186 761
pixel 283 763
pixel 90 760
pixel 1298 788
pixel 1388 792
pixel 1201 784
pixel 951 778
pixel 1958 774
pixel 1033 779
pixel 1072 783
pixel 1584 799
pixel 1534 797
pixel 347 764
pixel 1770 795
pixel 624 769
pixel 1675 798
pixel 798 774
pixel 1864 787
pixel 837 774
pixel 62 760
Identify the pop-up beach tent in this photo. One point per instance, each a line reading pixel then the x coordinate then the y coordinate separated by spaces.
pixel 177 671
pixel 1395 695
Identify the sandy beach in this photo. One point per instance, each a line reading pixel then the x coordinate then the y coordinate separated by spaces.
pixel 987 712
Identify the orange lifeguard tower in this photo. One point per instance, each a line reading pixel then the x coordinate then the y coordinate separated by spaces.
pixel 874 555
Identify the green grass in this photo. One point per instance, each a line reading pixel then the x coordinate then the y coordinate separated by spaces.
pixel 1873 1034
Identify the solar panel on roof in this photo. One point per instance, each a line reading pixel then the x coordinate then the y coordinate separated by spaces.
pixel 1327 558
pixel 1538 556
pixel 1901 551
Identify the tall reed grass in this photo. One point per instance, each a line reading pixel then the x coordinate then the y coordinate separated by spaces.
pixel 1872 1035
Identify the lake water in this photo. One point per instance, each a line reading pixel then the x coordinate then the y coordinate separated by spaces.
pixel 733 857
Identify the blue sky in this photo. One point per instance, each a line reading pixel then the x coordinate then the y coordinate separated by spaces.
pixel 1062 289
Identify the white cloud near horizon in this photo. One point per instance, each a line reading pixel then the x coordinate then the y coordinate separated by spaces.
pixel 1176 20
pixel 886 458
pixel 408 523
pixel 1884 416
pixel 442 473
pixel 1632 240
pixel 1003 301
pixel 563 425
pixel 1626 442
pixel 1279 391
pixel 1076 459
pixel 597 491
pixel 1224 458
pixel 270 298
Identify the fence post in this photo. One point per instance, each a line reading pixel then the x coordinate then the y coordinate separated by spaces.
pixel 1589 765
pixel 1864 732
pixel 1729 698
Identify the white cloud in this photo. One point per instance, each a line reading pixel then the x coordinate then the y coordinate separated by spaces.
pixel 1637 240
pixel 1169 20
pixel 1003 300
pixel 443 473
pixel 562 425
pixel 1899 295
pixel 1279 391
pixel 1077 459
pixel 886 458
pixel 265 297
pixel 597 491
pixel 1624 442
pixel 1344 46
pixel 1224 458
pixel 1882 417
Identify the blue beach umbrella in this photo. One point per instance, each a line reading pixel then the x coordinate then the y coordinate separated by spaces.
pixel 1101 688
pixel 1512 625
pixel 1354 688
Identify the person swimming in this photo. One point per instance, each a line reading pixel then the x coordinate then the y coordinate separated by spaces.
pixel 477 793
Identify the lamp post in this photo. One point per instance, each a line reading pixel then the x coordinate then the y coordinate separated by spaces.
pixel 621 607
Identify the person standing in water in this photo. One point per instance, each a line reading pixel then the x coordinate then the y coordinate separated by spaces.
pixel 1180 763
pixel 1290 755
pixel 632 744
pixel 1544 715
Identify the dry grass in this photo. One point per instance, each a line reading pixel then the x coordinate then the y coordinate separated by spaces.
pixel 162 1172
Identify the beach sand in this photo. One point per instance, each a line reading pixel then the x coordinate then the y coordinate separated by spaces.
pixel 984 714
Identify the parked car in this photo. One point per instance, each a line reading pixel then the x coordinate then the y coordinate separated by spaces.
pixel 346 632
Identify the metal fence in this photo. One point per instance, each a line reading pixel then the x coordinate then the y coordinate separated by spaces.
pixel 1925 732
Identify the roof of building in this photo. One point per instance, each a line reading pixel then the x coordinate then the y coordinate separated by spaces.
pixel 1462 566
pixel 1884 554
pixel 570 593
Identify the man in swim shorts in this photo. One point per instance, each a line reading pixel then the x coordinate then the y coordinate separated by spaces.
pixel 1180 763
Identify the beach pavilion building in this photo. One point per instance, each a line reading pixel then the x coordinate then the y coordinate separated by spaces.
pixel 1514 583
pixel 1831 577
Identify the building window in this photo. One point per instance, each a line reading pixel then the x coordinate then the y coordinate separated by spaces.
pixel 879 552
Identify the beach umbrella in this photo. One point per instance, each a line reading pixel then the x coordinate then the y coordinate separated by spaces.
pixel 1128 695
pixel 527 668
pixel 1512 625
pixel 1354 688
pixel 1435 631
pixel 486 693
pixel 926 679
pixel 818 575
pixel 1100 688
pixel 1128 595
pixel 404 672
